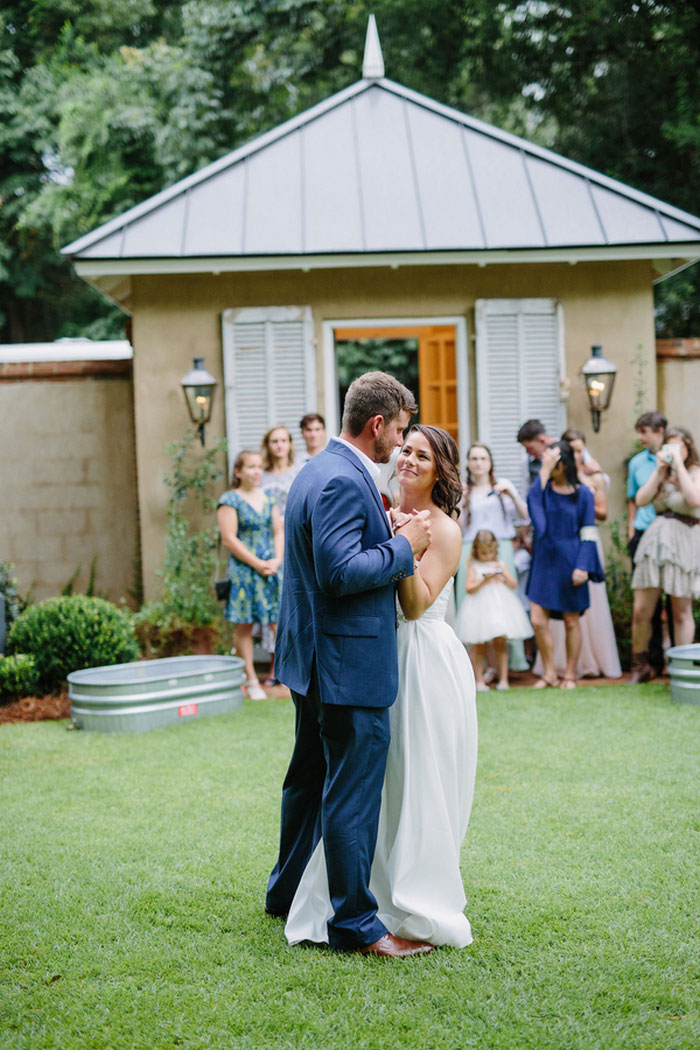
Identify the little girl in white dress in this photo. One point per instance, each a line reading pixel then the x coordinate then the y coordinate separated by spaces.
pixel 491 611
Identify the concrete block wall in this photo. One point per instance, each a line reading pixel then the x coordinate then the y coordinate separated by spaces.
pixel 68 490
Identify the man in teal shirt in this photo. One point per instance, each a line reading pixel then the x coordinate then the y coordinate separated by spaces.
pixel 650 428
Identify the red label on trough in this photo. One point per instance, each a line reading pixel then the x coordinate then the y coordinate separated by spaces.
pixel 187 709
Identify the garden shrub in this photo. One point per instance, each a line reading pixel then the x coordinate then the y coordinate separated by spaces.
pixel 67 634
pixel 18 676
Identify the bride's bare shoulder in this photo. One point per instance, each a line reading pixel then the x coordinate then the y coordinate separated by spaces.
pixel 445 530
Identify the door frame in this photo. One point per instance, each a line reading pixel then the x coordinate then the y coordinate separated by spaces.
pixel 330 377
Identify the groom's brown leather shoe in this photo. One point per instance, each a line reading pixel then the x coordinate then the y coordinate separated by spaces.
pixel 396 947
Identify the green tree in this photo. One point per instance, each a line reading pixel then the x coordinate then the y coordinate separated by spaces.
pixel 677 305
pixel 104 103
pixel 617 87
pixel 620 80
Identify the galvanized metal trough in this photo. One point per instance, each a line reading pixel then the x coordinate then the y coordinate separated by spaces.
pixel 149 694
pixel 684 671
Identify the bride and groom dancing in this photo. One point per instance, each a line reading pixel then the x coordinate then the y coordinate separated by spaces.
pixel 376 799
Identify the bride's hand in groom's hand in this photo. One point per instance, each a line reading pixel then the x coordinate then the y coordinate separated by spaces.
pixel 417 530
pixel 398 518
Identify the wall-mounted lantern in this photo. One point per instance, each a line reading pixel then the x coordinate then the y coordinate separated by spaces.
pixel 198 387
pixel 599 376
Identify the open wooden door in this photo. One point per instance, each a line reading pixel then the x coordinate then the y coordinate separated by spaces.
pixel 437 377
pixel 437 368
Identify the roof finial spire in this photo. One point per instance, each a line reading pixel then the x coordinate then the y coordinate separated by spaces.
pixel 373 63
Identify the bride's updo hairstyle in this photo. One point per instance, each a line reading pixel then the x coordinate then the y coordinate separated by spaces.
pixel 447 490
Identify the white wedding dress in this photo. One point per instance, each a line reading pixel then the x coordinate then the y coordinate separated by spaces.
pixel 426 798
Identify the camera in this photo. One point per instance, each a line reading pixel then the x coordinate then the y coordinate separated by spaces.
pixel 666 454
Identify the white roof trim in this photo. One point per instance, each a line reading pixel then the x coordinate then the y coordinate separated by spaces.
pixel 91 268
pixel 67 350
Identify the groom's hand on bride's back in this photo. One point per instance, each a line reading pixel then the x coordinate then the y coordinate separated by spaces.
pixel 416 528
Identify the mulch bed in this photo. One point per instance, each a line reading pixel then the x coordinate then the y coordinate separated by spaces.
pixel 36 709
pixel 523 679
pixel 45 708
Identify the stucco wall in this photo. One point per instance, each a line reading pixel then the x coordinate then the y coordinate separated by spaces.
pixel 68 483
pixel 178 317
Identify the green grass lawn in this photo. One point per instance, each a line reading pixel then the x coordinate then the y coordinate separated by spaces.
pixel 134 866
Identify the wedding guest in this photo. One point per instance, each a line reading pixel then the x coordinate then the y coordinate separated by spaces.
pixel 598 656
pixel 535 439
pixel 594 479
pixel 251 529
pixel 279 468
pixel 668 555
pixel 491 503
pixel 650 428
pixel 279 471
pixel 493 612
pixel 564 558
pixel 313 431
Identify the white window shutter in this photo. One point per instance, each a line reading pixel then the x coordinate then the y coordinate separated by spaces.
pixel 519 364
pixel 269 373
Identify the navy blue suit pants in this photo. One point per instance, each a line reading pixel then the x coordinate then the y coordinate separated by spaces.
pixel 333 788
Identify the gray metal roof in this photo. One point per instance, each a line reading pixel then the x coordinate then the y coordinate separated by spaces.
pixel 379 168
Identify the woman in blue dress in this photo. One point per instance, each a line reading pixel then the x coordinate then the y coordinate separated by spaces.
pixel 564 558
pixel 251 529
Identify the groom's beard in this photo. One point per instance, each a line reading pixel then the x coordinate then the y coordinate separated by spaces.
pixel 383 448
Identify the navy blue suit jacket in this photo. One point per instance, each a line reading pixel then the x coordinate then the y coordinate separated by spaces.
pixel 341 565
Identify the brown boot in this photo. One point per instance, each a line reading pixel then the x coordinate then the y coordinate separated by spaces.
pixel 642 671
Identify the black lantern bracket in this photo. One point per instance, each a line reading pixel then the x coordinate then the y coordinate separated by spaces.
pixel 598 375
pixel 198 387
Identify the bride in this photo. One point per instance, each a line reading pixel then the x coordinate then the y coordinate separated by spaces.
pixel 429 780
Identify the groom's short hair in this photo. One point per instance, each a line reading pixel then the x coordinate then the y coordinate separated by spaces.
pixel 375 394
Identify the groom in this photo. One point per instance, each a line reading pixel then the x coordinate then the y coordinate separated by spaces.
pixel 336 650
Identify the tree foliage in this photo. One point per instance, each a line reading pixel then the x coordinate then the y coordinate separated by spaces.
pixel 104 103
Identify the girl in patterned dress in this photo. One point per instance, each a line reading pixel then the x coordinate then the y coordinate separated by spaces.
pixel 251 529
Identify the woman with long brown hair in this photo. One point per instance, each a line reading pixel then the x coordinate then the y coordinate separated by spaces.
pixel 492 503
pixel 279 471
pixel 279 467
pixel 429 780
